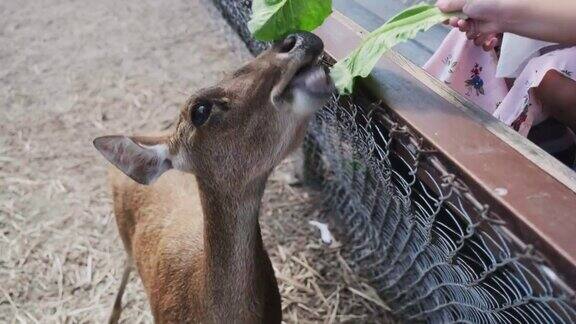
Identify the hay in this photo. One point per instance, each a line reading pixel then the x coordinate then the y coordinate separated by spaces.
pixel 316 283
pixel 73 70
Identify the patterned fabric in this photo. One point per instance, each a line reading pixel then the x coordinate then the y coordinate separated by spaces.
pixel 471 71
pixel 520 108
pixel 515 52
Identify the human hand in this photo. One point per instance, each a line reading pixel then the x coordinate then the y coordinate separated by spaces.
pixel 483 23
pixel 551 20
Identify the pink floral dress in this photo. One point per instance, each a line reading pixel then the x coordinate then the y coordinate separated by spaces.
pixel 471 71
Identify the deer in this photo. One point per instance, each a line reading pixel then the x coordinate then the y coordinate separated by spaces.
pixel 187 201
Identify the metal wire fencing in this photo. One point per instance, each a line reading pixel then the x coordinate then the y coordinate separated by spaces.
pixel 432 250
pixel 415 231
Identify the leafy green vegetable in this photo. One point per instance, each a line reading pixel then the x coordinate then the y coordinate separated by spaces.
pixel 274 19
pixel 402 27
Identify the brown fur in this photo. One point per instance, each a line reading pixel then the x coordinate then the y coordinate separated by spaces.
pixel 194 234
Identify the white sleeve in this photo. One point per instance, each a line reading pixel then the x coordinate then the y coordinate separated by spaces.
pixel 515 53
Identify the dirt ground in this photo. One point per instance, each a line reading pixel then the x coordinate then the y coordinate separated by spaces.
pixel 74 70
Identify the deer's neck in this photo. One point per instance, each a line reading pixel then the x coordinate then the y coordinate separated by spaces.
pixel 237 268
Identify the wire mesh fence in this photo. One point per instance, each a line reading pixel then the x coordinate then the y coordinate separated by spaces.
pixel 429 247
pixel 416 231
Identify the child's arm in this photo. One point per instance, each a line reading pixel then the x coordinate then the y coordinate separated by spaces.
pixel 552 20
pixel 557 93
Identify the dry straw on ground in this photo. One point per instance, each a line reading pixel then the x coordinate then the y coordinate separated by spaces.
pixel 315 282
pixel 73 70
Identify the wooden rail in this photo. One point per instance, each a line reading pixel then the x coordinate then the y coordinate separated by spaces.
pixel 534 193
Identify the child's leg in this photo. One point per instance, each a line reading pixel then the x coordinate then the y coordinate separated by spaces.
pixel 557 93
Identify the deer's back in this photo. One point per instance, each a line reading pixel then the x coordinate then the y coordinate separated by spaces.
pixel 161 227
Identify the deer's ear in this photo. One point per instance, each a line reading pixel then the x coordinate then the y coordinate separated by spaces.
pixel 142 160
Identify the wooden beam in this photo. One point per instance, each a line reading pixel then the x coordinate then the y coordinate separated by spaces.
pixel 537 193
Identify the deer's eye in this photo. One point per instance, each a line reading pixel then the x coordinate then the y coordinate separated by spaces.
pixel 200 114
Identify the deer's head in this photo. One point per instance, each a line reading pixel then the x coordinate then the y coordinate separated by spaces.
pixel 239 129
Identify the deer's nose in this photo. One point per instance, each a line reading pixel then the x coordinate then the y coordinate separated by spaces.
pixel 301 42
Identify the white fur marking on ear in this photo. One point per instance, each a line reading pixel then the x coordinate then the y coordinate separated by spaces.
pixel 161 150
pixel 160 154
pixel 142 163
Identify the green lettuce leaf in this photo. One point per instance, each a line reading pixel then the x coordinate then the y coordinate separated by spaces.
pixel 274 19
pixel 400 28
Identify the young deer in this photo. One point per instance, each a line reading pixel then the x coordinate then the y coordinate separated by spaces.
pixel 194 234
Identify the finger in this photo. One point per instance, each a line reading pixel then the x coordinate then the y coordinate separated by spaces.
pixel 492 42
pixel 497 39
pixel 450 5
pixel 478 41
pixel 473 29
pixel 453 21
pixel 486 27
pixel 463 25
pixel 489 44
pixel 472 34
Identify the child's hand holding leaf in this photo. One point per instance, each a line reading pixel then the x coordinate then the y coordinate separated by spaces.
pixel 273 19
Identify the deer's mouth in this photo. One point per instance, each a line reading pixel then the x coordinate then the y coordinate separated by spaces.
pixel 302 75
pixel 313 79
